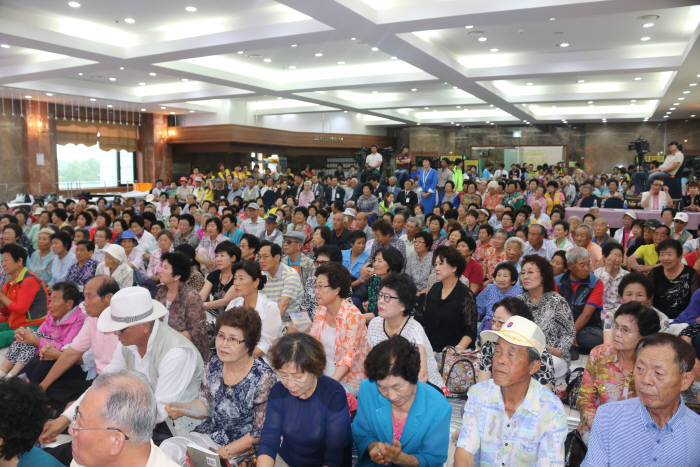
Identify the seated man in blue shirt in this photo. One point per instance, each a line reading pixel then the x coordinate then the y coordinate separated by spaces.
pixel 655 428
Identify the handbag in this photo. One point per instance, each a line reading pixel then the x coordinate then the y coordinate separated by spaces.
pixel 574 449
pixel 458 372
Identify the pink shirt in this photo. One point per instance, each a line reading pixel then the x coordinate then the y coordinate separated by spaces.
pixel 61 333
pixel 102 344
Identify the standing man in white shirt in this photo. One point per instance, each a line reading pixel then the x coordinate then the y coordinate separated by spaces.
pixel 671 164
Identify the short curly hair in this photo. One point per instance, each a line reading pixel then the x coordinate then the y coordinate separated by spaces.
pixel 545 269
pixel 338 277
pixel 393 357
pixel 24 409
pixel 247 320
pixel 301 349
pixel 252 268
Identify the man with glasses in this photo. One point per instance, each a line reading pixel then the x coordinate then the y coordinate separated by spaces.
pixel 657 198
pixel 283 284
pixel 114 424
pixel 302 264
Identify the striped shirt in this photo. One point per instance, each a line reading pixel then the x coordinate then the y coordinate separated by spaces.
pixel 624 434
pixel 286 283
pixel 534 435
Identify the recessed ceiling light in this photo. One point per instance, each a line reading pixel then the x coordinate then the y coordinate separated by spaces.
pixel 162 107
pixel 676 103
pixel 129 20
pixel 190 9
pixel 490 105
pixel 493 50
pixel 552 19
pixel 374 49
pixel 184 79
pixel 637 78
pixel 121 68
pixel 152 74
pixel 112 78
pixel 529 84
pixel 668 113
pixel 459 106
pixel 353 38
pixel 80 73
pixel 665 116
pixel 681 99
pixel 191 111
pixel 581 81
pixel 240 52
pixel 142 83
pixel 414 89
pixel 5 46
pixel 292 67
pixel 109 106
pixel 293 45
pixel 482 39
pixel 648 25
pixel 452 123
pixel 426 108
pixel 267 60
pixel 686 92
pixel 345 111
pixel 49 94
pixel 143 109
pixel 74 4
pixel 693 84
pixel 469 26
pixel 92 99
pixel 645 38
pixel 633 100
pixel 671 108
pixel 394 58
pixel 590 102
pixel 563 44
pixel 341 63
pixel 27 97
pixel 318 54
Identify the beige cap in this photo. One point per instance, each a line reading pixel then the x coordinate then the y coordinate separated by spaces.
pixel 519 331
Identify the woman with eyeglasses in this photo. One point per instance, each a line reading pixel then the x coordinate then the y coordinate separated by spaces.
pixel 234 394
pixel 386 260
pixel 324 255
pixel 307 420
pixel 339 326
pixel 400 420
pixel 397 298
pixel 248 281
pixel 609 372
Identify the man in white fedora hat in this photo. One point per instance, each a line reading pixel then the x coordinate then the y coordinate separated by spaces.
pixel 170 363
pixel 512 419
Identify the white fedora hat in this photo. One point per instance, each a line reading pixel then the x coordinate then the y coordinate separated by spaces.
pixel 129 307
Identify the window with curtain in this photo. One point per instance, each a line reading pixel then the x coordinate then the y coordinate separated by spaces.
pixel 81 166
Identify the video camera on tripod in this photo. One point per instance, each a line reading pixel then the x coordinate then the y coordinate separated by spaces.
pixel 641 146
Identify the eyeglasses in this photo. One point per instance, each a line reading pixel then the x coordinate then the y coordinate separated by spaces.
pixel 74 426
pixel 386 297
pixel 320 263
pixel 289 378
pixel 229 339
pixel 657 184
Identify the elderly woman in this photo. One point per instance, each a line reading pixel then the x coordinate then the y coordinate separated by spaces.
pixel 539 217
pixel 400 420
pixel 211 238
pixel 322 236
pixel 307 420
pixel 324 255
pixel 116 266
pixel 196 280
pixel 248 281
pixel 492 198
pixel 611 274
pixel 449 196
pixel 155 263
pixel 515 247
pixel 502 312
pixel 386 260
pixel 550 310
pixel 469 195
pixel 340 327
pixel 367 202
pixel 134 255
pixel 497 255
pixel 674 282
pixel 397 299
pixel 234 394
pixel 435 225
pixel 40 261
pixel 505 284
pixel 185 310
pixel 450 308
pixel 306 197
pixel 419 262
pixel 609 372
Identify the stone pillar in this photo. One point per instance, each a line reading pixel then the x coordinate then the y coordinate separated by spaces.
pixel 154 158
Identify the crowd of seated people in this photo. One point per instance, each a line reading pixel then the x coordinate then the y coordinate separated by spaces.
pixel 305 319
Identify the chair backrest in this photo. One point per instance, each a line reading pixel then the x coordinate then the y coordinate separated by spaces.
pixel 614 203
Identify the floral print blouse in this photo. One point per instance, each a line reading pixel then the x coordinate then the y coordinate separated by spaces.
pixel 611 299
pixel 553 315
pixel 238 410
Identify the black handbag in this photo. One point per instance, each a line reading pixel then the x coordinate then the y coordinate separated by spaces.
pixel 574 449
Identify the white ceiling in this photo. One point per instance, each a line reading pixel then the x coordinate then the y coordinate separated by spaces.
pixel 394 61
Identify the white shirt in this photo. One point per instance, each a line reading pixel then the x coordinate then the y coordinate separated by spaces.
pixel 174 373
pixel 148 243
pixel 664 200
pixel 269 315
pixel 672 159
pixel 374 160
pixel 156 458
pixel 257 228
pixel 328 341
pixel 99 253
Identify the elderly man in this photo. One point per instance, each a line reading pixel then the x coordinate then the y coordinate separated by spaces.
pixel 537 243
pixel 413 226
pixel 649 254
pixel 253 224
pixel 114 424
pixel 512 419
pixel 407 197
pixel 495 220
pixel 656 427
pixel 272 233
pixel 600 230
pixel 250 191
pixel 283 285
pixel 583 237
pixel 584 293
pixel 514 248
pixel 361 224
pixel 624 235
pixel 302 264
pixel 340 235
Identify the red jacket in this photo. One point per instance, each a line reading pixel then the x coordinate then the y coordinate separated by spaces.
pixel 30 301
